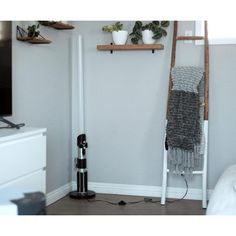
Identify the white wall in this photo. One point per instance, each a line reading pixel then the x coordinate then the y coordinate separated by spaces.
pixel 125 96
pixel 126 93
pixel 41 96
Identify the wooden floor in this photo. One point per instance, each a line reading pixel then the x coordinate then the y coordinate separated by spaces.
pixel 68 206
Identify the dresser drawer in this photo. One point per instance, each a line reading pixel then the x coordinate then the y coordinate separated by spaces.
pixel 32 182
pixel 20 157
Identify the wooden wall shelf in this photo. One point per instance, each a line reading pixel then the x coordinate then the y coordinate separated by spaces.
pixel 113 47
pixel 62 26
pixel 21 36
pixel 57 25
pixel 34 40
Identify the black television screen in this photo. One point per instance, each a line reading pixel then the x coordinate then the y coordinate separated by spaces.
pixel 5 68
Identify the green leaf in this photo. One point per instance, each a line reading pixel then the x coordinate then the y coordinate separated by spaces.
pixel 156 23
pixel 138 24
pixel 153 27
pixel 134 40
pixel 165 23
pixel 157 35
pixel 145 27
pixel 138 34
pixel 157 30
pixel 107 28
pixel 118 26
pixel 163 31
pixel 149 26
pixel 114 27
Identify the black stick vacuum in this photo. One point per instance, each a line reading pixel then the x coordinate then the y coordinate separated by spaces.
pixel 82 173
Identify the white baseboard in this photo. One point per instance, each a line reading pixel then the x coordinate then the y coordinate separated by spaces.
pixel 126 189
pixel 58 193
pixel 143 190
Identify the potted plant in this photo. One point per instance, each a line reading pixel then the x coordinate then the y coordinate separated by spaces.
pixel 33 31
pixel 119 35
pixel 149 32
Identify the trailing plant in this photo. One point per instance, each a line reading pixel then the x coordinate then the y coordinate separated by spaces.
pixel 33 31
pixel 114 27
pixel 157 27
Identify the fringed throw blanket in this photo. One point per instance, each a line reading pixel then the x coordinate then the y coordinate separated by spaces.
pixel 184 133
pixel 183 129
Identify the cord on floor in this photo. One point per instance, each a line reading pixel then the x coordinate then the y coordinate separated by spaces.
pixel 120 203
pixel 146 199
pixel 186 192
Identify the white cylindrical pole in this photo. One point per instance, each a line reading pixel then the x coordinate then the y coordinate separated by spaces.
pixel 81 85
pixel 77 91
pixel 78 130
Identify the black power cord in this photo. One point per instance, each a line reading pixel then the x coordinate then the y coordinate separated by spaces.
pixel 146 199
pixel 168 201
pixel 120 203
pixel 186 192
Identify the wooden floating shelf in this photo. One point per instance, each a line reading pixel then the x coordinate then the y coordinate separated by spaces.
pixel 57 25
pixel 114 47
pixel 39 41
pixel 34 40
pixel 62 26
pixel 23 38
pixel 21 35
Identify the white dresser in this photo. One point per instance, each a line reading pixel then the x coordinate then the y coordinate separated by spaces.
pixel 23 159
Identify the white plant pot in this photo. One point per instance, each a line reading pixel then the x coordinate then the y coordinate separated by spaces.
pixel 147 37
pixel 120 37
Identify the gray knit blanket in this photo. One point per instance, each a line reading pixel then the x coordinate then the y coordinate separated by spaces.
pixel 184 130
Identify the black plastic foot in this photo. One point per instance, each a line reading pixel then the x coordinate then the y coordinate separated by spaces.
pixel 79 195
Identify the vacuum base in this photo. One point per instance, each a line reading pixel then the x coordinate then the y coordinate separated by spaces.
pixel 79 195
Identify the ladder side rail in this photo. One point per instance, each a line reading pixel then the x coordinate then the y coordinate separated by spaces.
pixel 206 69
pixel 206 112
pixel 172 64
pixel 202 172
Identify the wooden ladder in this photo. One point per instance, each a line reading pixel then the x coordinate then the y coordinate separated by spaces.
pixel 202 172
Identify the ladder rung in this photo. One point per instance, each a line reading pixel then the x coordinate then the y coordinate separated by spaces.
pixel 189 38
pixel 196 172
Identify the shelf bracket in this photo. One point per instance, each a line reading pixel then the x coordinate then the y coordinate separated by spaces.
pixel 111 50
